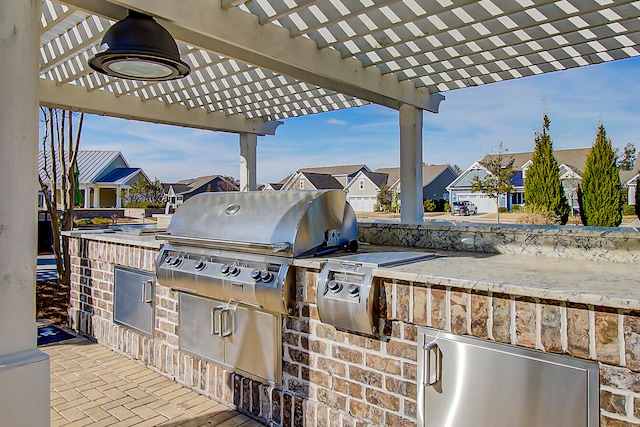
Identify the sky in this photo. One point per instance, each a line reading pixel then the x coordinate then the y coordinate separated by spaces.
pixel 470 124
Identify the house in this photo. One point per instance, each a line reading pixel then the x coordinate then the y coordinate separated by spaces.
pixel 343 174
pixel 311 181
pixel 177 193
pixel 570 162
pixel 362 190
pixel 104 177
pixel 435 179
pixel 629 180
pixel 363 185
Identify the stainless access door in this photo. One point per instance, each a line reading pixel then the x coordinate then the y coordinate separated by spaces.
pixel 465 381
pixel 255 345
pixel 200 325
pixel 133 299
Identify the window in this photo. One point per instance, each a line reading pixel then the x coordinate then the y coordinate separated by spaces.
pixel 361 184
pixel 301 184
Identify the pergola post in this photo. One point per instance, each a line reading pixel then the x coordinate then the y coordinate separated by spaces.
pixel 411 164
pixel 248 144
pixel 24 369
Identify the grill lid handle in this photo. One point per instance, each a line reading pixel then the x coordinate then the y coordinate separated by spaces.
pixel 279 247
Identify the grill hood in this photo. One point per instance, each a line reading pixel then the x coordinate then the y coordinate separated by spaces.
pixel 284 223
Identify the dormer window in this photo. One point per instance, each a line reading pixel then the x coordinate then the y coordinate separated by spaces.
pixel 301 184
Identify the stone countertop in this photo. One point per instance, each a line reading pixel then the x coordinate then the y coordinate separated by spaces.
pixel 600 283
pixel 141 240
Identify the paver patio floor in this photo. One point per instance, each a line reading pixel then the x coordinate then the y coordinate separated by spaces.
pixel 92 385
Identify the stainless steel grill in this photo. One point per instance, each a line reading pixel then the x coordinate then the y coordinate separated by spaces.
pixel 237 246
pixel 229 256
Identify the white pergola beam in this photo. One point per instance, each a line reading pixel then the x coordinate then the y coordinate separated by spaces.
pixel 103 103
pixel 239 35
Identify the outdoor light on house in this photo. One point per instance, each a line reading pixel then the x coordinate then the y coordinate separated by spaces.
pixel 138 48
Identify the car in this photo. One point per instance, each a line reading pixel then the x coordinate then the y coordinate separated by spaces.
pixel 464 207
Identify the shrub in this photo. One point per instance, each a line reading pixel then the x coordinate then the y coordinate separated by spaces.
pixel 446 207
pixel 145 205
pixel 536 215
pixel 429 205
pixel 628 210
pixel 517 208
pixel 100 221
pixel 502 209
pixel 84 221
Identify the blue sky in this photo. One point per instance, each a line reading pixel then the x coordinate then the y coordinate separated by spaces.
pixel 471 123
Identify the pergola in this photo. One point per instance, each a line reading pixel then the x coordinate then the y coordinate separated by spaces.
pixel 255 63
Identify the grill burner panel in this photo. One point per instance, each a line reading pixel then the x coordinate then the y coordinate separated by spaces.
pixel 254 280
pixel 237 247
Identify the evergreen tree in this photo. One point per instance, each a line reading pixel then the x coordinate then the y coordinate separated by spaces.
pixel 542 186
pixel 599 194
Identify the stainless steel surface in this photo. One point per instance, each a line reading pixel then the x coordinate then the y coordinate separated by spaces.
pixel 306 221
pixel 386 258
pixel 133 299
pixel 464 381
pixel 347 297
pixel 259 281
pixel 249 341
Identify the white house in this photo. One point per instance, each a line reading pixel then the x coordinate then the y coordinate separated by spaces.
pixel 103 177
pixel 570 163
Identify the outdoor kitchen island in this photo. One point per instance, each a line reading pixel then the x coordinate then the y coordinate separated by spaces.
pixel 560 302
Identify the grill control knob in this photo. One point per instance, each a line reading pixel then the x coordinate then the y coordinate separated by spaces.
pixel 225 269
pixel 255 274
pixel 266 276
pixel 199 265
pixel 234 270
pixel 176 261
pixel 354 290
pixel 168 260
pixel 334 286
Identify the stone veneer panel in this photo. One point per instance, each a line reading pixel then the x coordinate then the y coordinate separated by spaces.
pixel 526 323
pixel 335 378
pixel 480 303
pixel 551 327
pixel 502 318
pixel 578 331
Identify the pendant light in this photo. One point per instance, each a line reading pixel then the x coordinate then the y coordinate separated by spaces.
pixel 138 48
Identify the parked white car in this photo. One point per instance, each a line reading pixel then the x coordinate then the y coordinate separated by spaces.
pixel 463 207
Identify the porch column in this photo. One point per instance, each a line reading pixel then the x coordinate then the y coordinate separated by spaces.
pixel 248 143
pixel 118 201
pixel 87 195
pixel 24 370
pixel 411 164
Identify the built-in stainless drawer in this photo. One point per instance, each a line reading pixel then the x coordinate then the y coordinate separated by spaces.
pixel 134 292
pixel 246 340
pixel 464 381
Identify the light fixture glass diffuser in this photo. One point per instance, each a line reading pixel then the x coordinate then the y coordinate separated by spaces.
pixel 138 48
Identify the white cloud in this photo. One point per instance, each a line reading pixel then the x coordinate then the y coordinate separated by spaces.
pixel 336 122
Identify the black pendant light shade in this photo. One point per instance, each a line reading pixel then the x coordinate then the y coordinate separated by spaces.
pixel 138 48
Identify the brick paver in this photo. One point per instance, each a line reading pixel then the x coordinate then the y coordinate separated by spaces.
pixel 91 385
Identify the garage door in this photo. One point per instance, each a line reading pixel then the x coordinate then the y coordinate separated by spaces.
pixel 362 204
pixel 482 201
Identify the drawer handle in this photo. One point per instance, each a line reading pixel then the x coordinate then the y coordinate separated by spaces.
pixel 432 378
pixel 227 319
pixel 215 320
pixel 147 299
